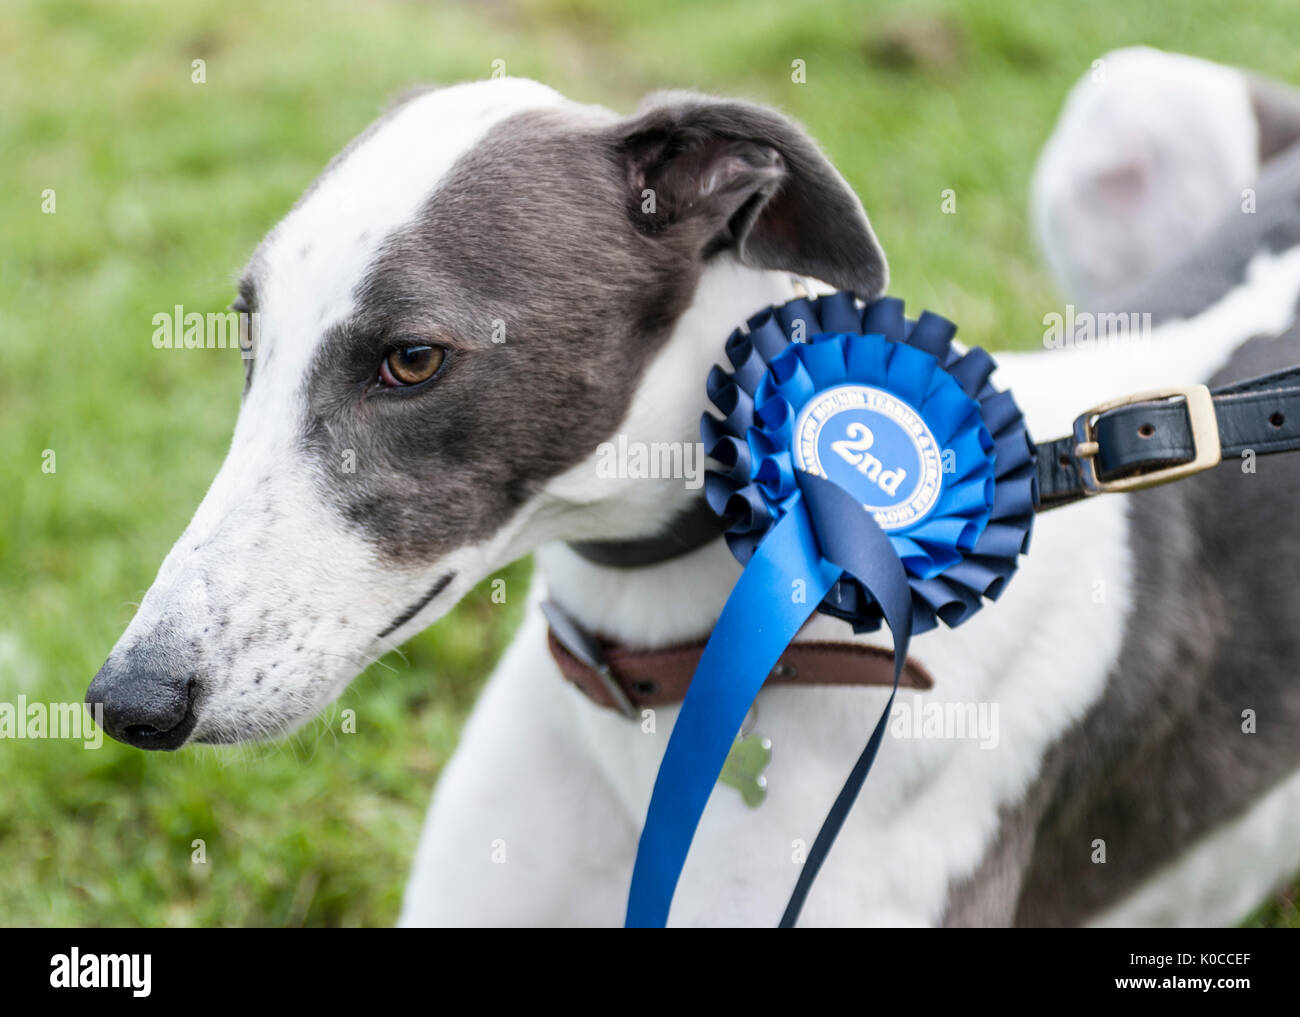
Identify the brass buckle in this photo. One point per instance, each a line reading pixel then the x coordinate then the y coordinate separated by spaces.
pixel 1205 440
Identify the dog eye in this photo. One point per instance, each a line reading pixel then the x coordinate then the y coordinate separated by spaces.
pixel 410 365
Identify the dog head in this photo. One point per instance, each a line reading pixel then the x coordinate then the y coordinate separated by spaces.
pixel 450 321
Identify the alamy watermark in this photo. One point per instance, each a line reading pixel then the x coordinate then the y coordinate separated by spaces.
pixel 71 721
pixel 1083 329
pixel 913 717
pixel 75 970
pixel 654 460
pixel 215 330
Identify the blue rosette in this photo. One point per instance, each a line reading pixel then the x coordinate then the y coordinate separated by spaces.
pixel 966 545
pixel 870 471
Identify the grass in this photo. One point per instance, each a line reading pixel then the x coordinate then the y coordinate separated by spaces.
pixel 162 188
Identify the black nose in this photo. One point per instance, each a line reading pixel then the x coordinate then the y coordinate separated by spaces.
pixel 144 705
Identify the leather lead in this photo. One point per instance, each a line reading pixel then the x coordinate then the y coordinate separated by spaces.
pixel 1149 438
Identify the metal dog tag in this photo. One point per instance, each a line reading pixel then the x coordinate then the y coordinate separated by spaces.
pixel 744 768
pixel 748 758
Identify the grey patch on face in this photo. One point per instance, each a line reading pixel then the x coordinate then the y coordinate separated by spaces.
pixel 1197 282
pixel 1161 759
pixel 540 229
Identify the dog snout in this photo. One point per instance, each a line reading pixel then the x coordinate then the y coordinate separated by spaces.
pixel 146 702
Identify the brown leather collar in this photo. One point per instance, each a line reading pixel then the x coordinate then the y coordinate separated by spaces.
pixel 632 679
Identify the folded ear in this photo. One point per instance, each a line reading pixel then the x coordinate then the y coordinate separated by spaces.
pixel 706 175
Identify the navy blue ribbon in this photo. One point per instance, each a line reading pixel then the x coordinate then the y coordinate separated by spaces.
pixel 796 526
pixel 863 552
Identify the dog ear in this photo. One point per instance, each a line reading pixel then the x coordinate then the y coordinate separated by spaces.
pixel 705 175
pixel 1277 111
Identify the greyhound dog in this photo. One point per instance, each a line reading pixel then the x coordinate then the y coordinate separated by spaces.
pixel 492 281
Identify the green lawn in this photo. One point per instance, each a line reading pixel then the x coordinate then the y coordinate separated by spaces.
pixel 162 188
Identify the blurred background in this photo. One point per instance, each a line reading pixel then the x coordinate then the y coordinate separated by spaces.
pixel 164 185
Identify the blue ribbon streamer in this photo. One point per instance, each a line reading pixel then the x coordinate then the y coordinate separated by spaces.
pixel 834 537
pixel 751 634
pixel 862 551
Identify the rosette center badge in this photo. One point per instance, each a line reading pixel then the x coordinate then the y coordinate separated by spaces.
pixel 875 446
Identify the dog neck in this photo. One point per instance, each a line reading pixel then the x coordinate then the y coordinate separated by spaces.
pixel 677 599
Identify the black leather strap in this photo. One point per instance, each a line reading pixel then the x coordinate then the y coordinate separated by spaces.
pixel 691 530
pixel 1261 414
